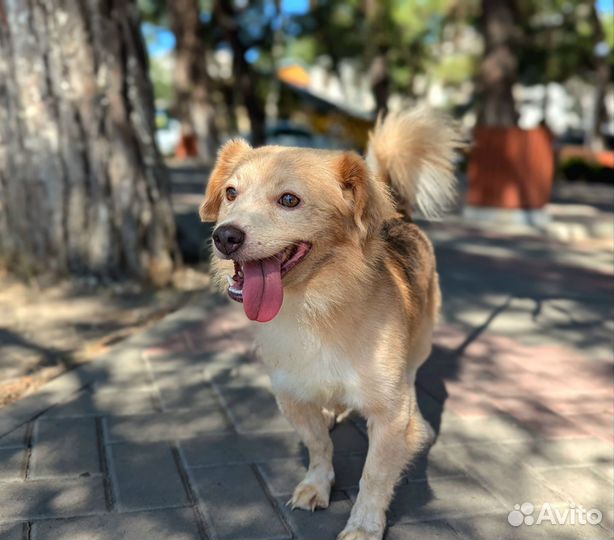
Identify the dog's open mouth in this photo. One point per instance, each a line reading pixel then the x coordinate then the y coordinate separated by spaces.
pixel 258 283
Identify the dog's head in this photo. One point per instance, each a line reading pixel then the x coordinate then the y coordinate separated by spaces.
pixel 283 213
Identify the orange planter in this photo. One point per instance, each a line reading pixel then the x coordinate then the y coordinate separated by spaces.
pixel 511 168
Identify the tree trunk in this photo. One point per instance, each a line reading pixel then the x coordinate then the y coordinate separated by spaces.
pixel 82 189
pixel 379 73
pixel 192 84
pixel 499 65
pixel 246 80
pixel 379 78
pixel 594 139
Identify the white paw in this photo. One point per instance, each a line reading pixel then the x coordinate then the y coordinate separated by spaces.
pixel 310 496
pixel 354 533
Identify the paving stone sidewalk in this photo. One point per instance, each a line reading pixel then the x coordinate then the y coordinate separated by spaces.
pixel 174 434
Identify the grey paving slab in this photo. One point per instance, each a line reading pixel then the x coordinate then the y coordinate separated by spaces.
pixel 236 371
pixel 441 498
pixel 323 524
pixel 39 499
pixel 186 389
pixel 546 453
pixel 283 475
pixel 177 362
pixel 64 447
pixel 466 430
pixel 124 369
pixel 210 362
pixel 580 486
pixel 435 463
pixel 168 426
pixel 252 408
pixel 604 470
pixel 503 472
pixel 146 476
pixel 426 530
pixel 11 531
pixel 227 448
pixel 12 463
pixel 235 504
pixel 17 437
pixel 139 400
pixel 174 524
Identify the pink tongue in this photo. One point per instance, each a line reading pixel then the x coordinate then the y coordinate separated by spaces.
pixel 263 293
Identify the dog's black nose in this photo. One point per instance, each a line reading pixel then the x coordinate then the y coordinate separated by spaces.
pixel 228 238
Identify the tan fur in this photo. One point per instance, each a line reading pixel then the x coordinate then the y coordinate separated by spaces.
pixel 358 311
pixel 422 174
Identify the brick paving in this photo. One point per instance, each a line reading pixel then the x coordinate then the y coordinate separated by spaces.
pixel 174 434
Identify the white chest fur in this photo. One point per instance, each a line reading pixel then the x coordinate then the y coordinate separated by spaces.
pixel 303 366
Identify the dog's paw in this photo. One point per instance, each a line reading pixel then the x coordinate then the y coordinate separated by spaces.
pixel 310 496
pixel 352 533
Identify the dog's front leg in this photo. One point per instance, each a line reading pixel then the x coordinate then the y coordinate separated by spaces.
pixel 311 425
pixel 394 438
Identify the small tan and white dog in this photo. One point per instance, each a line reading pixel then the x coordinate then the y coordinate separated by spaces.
pixel 320 246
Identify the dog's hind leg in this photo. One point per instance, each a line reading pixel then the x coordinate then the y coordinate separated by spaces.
pixel 395 437
pixel 312 427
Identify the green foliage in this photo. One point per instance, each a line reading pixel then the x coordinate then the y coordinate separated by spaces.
pixel 607 21
pixel 407 31
pixel 162 79
pixel 455 68
pixel 559 39
pixel 153 11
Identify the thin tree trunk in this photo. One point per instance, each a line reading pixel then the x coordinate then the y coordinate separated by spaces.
pixel 82 189
pixel 379 73
pixel 246 80
pixel 192 84
pixel 499 65
pixel 595 140
pixel 379 78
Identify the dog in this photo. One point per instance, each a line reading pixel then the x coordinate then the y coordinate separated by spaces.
pixel 320 248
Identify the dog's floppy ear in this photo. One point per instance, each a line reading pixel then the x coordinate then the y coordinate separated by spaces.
pixel 227 159
pixel 370 201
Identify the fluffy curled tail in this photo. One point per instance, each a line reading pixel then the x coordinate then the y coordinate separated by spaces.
pixel 413 151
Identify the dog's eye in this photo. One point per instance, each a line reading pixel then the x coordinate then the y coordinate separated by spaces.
pixel 288 200
pixel 231 193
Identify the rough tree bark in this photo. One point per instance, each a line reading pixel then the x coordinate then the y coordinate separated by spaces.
pixel 499 65
pixel 82 189
pixel 246 80
pixel 192 84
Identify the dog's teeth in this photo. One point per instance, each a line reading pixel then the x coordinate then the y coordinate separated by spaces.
pixel 230 281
